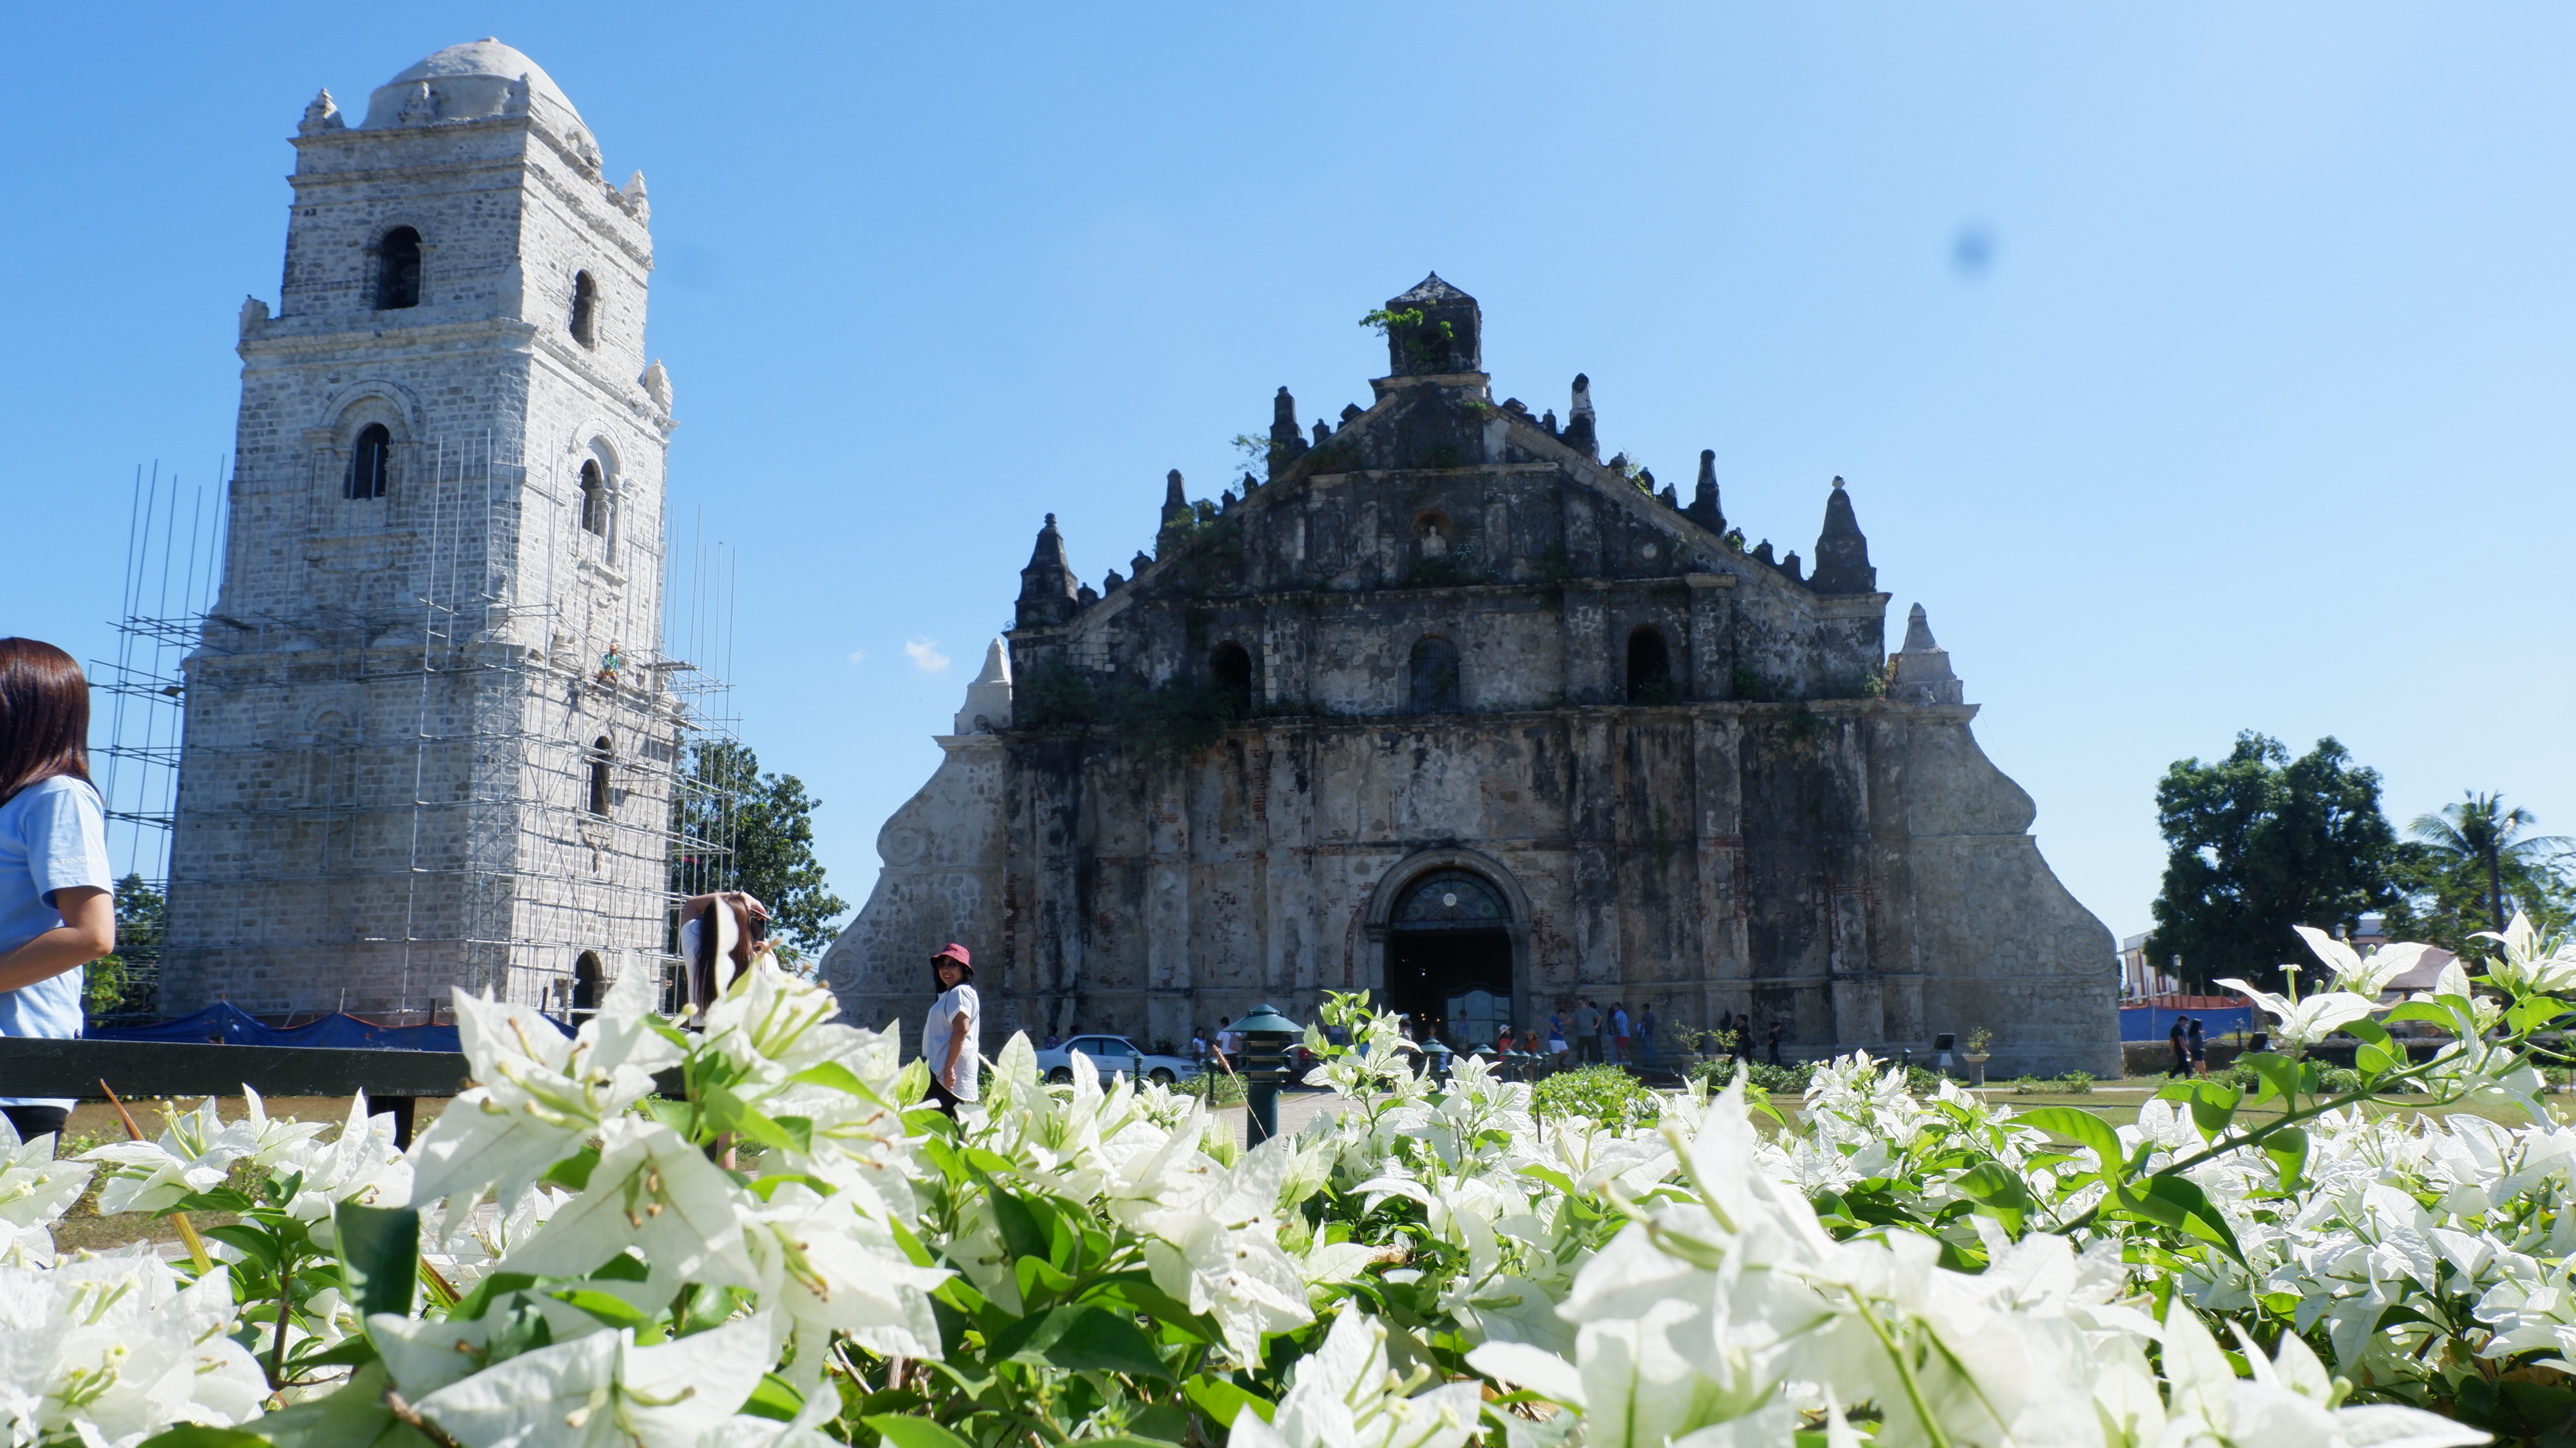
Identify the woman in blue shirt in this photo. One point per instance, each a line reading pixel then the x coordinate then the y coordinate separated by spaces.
pixel 57 899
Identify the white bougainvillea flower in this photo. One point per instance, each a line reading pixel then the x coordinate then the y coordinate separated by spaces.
pixel 193 1153
pixel 651 1190
pixel 2289 1403
pixel 1220 1254
pixel 2363 975
pixel 1343 1396
pixel 2305 1022
pixel 603 1391
pixel 111 1349
pixel 827 1269
pixel 538 1096
pixel 35 1190
pixel 2530 962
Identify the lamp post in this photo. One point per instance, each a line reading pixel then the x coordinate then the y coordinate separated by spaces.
pixel 1267 1036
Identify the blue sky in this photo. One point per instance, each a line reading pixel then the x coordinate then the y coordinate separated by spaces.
pixel 2199 367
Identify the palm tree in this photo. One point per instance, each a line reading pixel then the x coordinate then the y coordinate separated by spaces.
pixel 2480 831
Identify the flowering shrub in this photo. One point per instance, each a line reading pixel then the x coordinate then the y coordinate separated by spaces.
pixel 790 1252
pixel 1605 1094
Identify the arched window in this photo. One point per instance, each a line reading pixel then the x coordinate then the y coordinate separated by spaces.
pixel 585 308
pixel 594 498
pixel 370 459
pixel 1650 667
pixel 1435 677
pixel 585 982
pixel 398 270
pixel 1232 669
pixel 601 753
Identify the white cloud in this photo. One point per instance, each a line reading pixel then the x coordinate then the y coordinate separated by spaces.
pixel 858 656
pixel 926 655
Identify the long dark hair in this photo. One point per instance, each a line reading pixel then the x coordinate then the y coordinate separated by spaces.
pixel 44 716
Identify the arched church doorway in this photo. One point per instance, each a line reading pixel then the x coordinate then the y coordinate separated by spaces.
pixel 1449 957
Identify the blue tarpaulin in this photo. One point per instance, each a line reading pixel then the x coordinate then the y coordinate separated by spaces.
pixel 2155 1023
pixel 232 1026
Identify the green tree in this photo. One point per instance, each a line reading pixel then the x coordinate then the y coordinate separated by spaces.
pixel 738 829
pixel 2482 841
pixel 127 982
pixel 2259 842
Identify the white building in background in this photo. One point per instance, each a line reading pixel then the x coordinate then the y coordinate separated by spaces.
pixel 408 759
pixel 2139 977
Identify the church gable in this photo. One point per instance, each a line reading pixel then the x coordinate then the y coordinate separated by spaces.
pixel 1443 514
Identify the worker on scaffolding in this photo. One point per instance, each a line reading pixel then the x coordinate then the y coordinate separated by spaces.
pixel 609 663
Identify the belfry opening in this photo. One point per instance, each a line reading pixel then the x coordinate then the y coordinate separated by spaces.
pixel 1449 958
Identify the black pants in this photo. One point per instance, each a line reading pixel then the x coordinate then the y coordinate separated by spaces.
pixel 941 1097
pixel 35 1121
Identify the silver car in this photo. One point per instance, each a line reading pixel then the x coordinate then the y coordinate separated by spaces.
pixel 1114 1055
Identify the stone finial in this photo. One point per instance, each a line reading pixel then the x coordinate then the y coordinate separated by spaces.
pixel 254 315
pixel 1323 432
pixel 1445 342
pixel 1352 412
pixel 1581 432
pixel 657 385
pixel 1225 501
pixel 1086 596
pixel 1842 554
pixel 1792 567
pixel 988 698
pixel 514 101
pixel 632 199
pixel 322 115
pixel 1112 583
pixel 1669 498
pixel 1138 564
pixel 1703 507
pixel 1762 553
pixel 1547 421
pixel 1048 594
pixel 1286 442
pixel 1920 672
pixel 1646 479
pixel 1176 503
pixel 419 106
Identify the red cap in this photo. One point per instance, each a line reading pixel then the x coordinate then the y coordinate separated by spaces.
pixel 953 951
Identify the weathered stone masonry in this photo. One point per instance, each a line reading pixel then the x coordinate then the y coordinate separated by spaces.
pixel 446 506
pixel 1507 720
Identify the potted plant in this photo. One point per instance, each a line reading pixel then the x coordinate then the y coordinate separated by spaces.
pixel 1977 1055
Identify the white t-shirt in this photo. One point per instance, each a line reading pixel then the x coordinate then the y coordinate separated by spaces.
pixel 942 1024
pixel 53 835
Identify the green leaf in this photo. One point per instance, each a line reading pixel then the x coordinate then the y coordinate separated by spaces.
pixel 255 1243
pixel 1021 1234
pixel 615 1311
pixel 2532 1014
pixel 773 1399
pixel 2280 1075
pixel 379 1257
pixel 837 1077
pixel 479 1300
pixel 909 1432
pixel 2288 1150
pixel 1080 1337
pixel 2082 1127
pixel 1223 1402
pixel 573 1172
pixel 2213 1106
pixel 624 1267
pixel 347 1352
pixel 2178 1202
pixel 1997 1192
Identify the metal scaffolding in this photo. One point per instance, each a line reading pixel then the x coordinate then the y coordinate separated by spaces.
pixel 522 842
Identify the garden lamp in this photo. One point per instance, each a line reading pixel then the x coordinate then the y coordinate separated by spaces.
pixel 1267 1037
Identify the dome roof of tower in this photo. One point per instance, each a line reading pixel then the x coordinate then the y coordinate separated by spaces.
pixel 466 82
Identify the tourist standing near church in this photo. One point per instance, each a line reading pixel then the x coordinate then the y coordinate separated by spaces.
pixel 57 899
pixel 1646 1038
pixel 951 1038
pixel 1587 1034
pixel 1619 1032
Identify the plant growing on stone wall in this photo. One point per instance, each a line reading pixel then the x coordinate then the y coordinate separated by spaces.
pixel 1054 695
pixel 1174 719
pixel 1748 686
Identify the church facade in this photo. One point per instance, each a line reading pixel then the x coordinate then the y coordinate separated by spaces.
pixel 1449 709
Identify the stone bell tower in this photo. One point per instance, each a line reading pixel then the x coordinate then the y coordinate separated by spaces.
pixel 428 739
